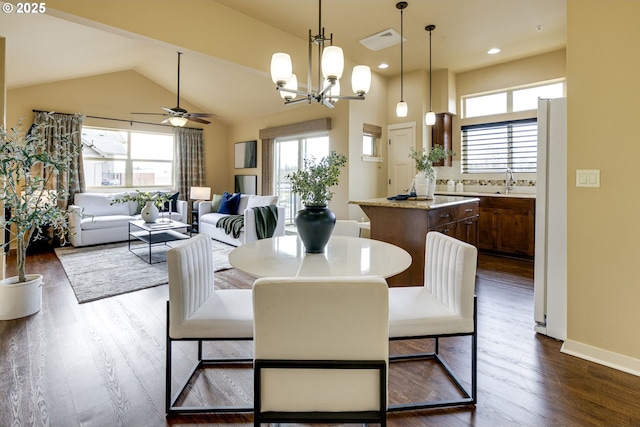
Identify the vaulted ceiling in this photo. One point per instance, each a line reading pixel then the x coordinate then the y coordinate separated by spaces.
pixel 48 48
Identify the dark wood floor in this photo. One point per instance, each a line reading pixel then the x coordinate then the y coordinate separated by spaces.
pixel 102 364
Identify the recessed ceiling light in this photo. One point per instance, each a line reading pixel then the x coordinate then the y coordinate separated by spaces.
pixel 383 66
pixel 493 51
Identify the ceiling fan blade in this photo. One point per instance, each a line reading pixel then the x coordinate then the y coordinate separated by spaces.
pixel 169 110
pixel 197 120
pixel 151 114
pixel 201 115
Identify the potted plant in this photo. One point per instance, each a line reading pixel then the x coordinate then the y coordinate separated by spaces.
pixel 150 202
pixel 31 205
pixel 316 221
pixel 425 180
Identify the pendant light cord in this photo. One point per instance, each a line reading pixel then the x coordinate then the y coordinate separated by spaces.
pixel 402 55
pixel 430 73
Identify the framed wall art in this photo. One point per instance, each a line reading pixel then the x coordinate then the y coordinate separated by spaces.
pixel 246 154
pixel 246 184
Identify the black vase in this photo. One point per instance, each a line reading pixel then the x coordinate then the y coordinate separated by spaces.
pixel 315 225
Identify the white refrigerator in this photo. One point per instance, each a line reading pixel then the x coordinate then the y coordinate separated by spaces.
pixel 550 259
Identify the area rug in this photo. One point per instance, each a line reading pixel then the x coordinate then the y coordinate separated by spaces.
pixel 102 271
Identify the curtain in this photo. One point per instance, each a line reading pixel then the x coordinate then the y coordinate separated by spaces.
pixel 267 167
pixel 72 181
pixel 189 160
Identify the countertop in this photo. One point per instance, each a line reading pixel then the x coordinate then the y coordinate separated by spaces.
pixel 439 201
pixel 480 194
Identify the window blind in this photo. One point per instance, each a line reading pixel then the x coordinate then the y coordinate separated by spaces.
pixel 494 147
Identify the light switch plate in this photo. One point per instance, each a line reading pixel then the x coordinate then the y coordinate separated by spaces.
pixel 588 178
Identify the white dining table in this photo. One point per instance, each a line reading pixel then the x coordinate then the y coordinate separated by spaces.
pixel 285 256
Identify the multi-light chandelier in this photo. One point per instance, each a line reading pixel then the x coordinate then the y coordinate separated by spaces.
pixel 330 71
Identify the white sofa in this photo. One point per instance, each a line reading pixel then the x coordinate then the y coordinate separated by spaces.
pixel 207 220
pixel 94 220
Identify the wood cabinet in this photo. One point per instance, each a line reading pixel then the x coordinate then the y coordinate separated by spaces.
pixel 442 134
pixel 506 225
pixel 406 224
pixel 460 222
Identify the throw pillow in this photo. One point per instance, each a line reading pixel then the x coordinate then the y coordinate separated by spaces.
pixel 215 202
pixel 171 203
pixel 229 203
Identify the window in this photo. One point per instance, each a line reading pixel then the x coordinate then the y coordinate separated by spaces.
pixel 120 158
pixel 289 154
pixel 510 100
pixel 368 145
pixel 509 141
pixel 493 147
pixel 371 135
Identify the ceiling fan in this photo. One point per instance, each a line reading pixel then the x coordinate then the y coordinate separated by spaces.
pixel 177 116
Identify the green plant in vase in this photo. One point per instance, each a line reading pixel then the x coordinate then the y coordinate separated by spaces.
pixel 30 166
pixel 315 223
pixel 426 176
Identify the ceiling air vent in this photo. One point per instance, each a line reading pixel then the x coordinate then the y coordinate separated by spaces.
pixel 382 40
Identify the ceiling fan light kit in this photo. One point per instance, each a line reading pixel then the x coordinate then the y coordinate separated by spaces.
pixel 329 70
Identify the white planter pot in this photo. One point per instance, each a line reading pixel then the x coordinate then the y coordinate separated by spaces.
pixel 431 189
pixel 421 184
pixel 20 299
pixel 149 212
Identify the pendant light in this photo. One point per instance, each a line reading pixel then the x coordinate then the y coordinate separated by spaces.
pixel 430 118
pixel 402 108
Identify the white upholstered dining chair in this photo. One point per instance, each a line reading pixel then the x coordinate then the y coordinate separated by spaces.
pixel 444 307
pixel 196 311
pixel 321 350
pixel 346 227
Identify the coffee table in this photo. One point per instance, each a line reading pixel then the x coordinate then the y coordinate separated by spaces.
pixel 155 233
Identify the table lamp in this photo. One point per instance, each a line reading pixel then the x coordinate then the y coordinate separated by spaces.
pixel 198 194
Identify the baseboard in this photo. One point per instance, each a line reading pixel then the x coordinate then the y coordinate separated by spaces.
pixel 602 357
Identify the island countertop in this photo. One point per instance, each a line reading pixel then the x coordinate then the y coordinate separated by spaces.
pixel 436 203
pixel 405 223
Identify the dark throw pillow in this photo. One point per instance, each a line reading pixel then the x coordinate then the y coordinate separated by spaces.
pixel 172 202
pixel 229 203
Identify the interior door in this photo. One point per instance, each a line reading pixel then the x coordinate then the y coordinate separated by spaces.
pixel 401 168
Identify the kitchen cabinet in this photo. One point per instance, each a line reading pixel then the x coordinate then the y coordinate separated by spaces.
pixel 506 225
pixel 406 224
pixel 442 134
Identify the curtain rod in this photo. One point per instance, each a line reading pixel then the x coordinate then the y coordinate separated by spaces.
pixel 110 118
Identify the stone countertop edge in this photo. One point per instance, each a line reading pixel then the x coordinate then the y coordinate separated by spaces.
pixel 435 203
pixel 480 194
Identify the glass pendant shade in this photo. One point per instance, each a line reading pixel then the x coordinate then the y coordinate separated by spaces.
pixel 332 62
pixel 430 118
pixel 281 68
pixel 178 121
pixel 292 84
pixel 402 109
pixel 361 79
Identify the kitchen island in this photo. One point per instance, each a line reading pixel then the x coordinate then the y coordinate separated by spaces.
pixel 405 223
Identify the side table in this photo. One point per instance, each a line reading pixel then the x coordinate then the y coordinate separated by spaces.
pixel 194 221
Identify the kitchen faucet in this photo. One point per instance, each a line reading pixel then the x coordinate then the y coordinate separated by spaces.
pixel 509 180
